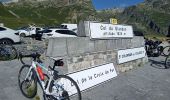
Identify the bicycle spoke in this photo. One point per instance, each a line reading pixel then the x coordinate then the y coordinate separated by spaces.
pixel 61 87
pixel 65 88
pixel 8 52
pixel 27 86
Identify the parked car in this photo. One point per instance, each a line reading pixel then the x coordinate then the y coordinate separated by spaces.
pixel 8 36
pixel 39 34
pixel 72 27
pixel 58 33
pixel 29 31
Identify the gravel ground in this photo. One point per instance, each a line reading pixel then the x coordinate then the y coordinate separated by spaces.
pixel 150 82
pixel 29 45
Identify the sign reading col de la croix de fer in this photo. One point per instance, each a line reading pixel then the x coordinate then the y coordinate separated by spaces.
pixel 91 77
pixel 101 30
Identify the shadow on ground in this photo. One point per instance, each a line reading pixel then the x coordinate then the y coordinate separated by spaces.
pixel 157 64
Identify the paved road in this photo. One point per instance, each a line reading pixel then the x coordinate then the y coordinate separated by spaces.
pixel 150 82
pixel 8 81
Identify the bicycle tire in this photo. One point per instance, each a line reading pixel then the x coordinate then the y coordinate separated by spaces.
pixel 14 52
pixel 65 93
pixel 8 52
pixel 160 50
pixel 30 92
pixel 167 62
pixel 166 51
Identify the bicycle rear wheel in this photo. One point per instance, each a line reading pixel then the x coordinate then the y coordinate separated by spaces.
pixel 166 51
pixel 8 52
pixel 27 86
pixel 65 88
pixel 167 62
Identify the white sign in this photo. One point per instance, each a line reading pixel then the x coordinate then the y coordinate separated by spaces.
pixel 106 31
pixel 130 54
pixel 93 76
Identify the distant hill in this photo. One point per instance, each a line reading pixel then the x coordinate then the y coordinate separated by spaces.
pixel 44 13
pixel 150 17
pixel 105 14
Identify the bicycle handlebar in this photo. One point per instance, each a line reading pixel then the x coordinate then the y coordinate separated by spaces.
pixel 33 55
pixel 36 57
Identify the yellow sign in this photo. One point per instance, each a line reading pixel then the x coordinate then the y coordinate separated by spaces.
pixel 113 21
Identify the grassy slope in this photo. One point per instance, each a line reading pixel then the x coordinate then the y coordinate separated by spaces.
pixel 159 18
pixel 42 15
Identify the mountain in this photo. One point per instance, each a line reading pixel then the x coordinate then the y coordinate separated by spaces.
pixel 150 17
pixel 161 5
pixel 105 14
pixel 46 12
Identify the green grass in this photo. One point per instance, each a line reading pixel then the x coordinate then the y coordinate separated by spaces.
pixel 42 15
pixel 4 12
pixel 162 19
pixel 140 17
pixel 156 36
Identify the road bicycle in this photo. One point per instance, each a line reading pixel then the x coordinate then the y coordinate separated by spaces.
pixel 166 51
pixel 167 62
pixel 7 52
pixel 153 48
pixel 54 86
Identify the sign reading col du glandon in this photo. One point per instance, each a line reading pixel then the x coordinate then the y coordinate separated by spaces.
pixel 91 77
pixel 130 54
pixel 100 30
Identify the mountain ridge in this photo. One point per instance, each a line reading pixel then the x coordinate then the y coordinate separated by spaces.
pixel 147 17
pixel 45 14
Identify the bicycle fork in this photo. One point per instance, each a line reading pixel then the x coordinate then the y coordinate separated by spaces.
pixel 29 74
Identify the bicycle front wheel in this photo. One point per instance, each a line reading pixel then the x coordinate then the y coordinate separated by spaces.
pixel 167 62
pixel 65 88
pixel 27 81
pixel 166 51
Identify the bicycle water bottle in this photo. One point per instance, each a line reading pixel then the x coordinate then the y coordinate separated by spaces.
pixel 40 72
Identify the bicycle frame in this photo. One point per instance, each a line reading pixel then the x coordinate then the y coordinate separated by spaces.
pixel 44 87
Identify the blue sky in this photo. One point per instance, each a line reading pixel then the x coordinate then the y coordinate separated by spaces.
pixel 4 0
pixel 103 4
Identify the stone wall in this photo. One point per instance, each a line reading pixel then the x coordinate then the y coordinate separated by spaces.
pixel 81 53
